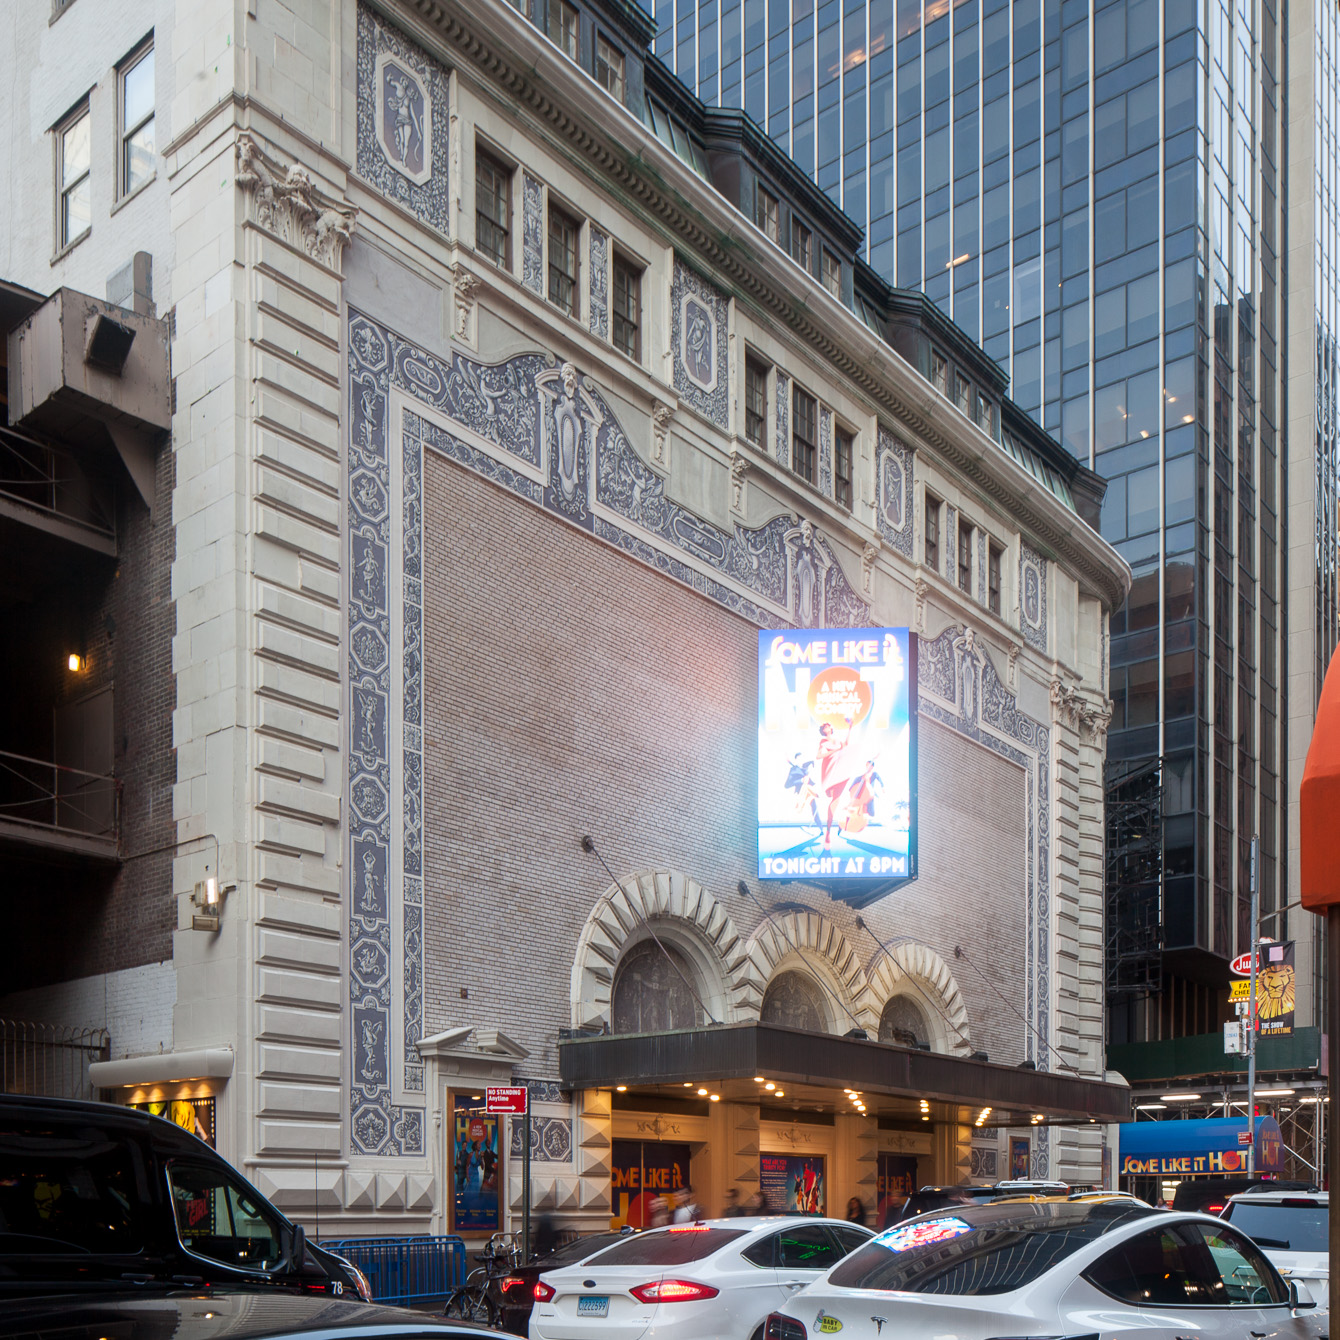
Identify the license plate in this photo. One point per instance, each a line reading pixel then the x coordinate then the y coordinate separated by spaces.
pixel 593 1307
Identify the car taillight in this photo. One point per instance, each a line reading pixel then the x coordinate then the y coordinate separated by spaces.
pixel 1214 1209
pixel 673 1291
pixel 510 1283
pixel 542 1292
pixel 778 1327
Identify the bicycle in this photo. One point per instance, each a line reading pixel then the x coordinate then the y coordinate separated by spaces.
pixel 479 1299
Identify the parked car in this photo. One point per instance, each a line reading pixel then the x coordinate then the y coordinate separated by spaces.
pixel 931 1198
pixel 716 1278
pixel 518 1287
pixel 94 1196
pixel 1053 1268
pixel 1209 1195
pixel 1293 1229
pixel 222 1314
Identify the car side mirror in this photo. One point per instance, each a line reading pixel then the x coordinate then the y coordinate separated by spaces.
pixel 296 1253
pixel 1300 1296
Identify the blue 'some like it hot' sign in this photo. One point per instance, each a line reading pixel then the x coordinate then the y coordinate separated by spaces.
pixel 836 753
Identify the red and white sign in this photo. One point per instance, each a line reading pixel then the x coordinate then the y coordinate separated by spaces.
pixel 506 1101
pixel 1242 965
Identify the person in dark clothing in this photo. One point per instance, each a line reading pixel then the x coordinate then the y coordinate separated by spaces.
pixel 733 1208
pixel 544 1233
pixel 856 1211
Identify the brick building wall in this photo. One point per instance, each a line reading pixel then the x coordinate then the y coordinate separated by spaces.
pixel 575 691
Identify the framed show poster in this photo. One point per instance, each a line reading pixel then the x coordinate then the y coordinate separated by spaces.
pixel 640 1172
pixel 475 1203
pixel 1019 1158
pixel 896 1181
pixel 191 1114
pixel 793 1183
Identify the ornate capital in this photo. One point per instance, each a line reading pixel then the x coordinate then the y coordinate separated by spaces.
pixel 285 202
pixel 1094 719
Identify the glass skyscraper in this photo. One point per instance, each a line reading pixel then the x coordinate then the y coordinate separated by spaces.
pixel 1132 206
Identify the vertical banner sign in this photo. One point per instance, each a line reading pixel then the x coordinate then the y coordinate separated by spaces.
pixel 793 1184
pixel 1275 990
pixel 836 754
pixel 895 1181
pixel 475 1168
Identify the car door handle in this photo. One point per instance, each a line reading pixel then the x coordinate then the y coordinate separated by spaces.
pixel 800 1284
pixel 1258 1335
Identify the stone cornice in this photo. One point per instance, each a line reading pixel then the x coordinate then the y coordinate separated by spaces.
pixel 628 155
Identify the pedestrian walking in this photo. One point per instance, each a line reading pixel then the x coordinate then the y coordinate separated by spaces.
pixel 733 1208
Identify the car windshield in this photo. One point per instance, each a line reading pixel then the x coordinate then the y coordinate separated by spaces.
pixel 1294 1226
pixel 984 1249
pixel 669 1246
pixel 70 1190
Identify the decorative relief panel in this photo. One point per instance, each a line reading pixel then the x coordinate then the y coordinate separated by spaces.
pixel 958 686
pixel 826 451
pixel 893 465
pixel 951 545
pixel 532 233
pixel 600 315
pixel 550 1139
pixel 699 317
pixel 783 421
pixel 1033 597
pixel 403 121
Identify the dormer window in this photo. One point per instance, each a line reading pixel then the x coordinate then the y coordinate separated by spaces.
pixel 985 415
pixel 609 68
pixel 766 213
pixel 563 27
pixel 963 395
pixel 832 274
pixel 940 372
pixel 802 244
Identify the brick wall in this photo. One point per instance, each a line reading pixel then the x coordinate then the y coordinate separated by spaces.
pixel 570 691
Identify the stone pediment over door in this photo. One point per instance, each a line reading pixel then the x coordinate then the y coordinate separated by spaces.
pixel 476 1055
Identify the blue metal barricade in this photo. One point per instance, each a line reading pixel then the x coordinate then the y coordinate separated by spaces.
pixel 406 1270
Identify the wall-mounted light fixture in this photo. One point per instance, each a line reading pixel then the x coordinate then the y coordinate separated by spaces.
pixel 76 663
pixel 208 896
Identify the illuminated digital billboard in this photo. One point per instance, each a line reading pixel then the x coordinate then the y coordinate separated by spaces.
pixel 837 754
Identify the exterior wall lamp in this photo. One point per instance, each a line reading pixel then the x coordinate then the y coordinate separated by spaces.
pixel 208 896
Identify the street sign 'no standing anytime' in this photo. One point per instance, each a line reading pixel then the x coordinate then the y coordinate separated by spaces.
pixel 506 1101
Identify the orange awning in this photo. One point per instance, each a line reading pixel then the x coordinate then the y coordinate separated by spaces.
pixel 1319 802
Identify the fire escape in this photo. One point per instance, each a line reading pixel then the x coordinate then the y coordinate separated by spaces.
pixel 1133 881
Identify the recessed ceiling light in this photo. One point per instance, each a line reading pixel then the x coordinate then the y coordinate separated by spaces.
pixel 621 1088
pixel 702 1093
pixel 770 1086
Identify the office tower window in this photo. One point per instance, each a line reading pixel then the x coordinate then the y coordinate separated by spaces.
pixel 993 557
pixel 627 306
pixel 931 531
pixel 755 401
pixel 802 244
pixel 74 206
pixel 804 433
pixel 842 455
pixel 135 114
pixel 965 557
pixel 563 27
pixel 493 209
pixel 832 273
pixel 767 213
pixel 609 67
pixel 564 231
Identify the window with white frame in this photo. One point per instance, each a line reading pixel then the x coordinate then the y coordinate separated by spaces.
pixel 74 204
pixel 135 117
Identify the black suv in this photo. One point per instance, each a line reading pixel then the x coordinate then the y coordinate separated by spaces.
pixel 94 1196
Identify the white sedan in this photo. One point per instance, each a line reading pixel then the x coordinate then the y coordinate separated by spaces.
pixel 1054 1268
pixel 714 1280
pixel 1293 1229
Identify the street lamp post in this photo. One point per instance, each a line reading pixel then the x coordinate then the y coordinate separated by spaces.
pixel 1251 1024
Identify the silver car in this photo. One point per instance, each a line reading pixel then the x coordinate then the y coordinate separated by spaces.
pixel 1292 1228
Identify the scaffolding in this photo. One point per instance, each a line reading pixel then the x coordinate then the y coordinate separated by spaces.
pixel 1133 881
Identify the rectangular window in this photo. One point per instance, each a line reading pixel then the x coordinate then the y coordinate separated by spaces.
pixel 766 213
pixel 993 556
pixel 74 207
pixel 931 528
pixel 564 231
pixel 940 372
pixel 985 415
pixel 493 209
pixel 963 394
pixel 609 68
pixel 563 27
pixel 832 273
pixel 755 401
pixel 627 307
pixel 135 110
pixel 965 557
pixel 802 244
pixel 804 433
pixel 842 455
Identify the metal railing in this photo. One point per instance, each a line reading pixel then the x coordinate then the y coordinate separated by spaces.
pixel 49 1060
pixel 51 795
pixel 406 1270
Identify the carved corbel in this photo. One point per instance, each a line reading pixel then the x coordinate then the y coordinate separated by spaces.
pixel 869 556
pixel 739 467
pixel 922 590
pixel 285 202
pixel 1016 648
pixel 1094 719
pixel 661 414
pixel 466 286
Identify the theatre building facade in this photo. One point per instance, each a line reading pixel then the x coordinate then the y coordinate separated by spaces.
pixel 545 391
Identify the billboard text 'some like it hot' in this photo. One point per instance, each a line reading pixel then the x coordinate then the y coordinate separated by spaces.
pixel 835 754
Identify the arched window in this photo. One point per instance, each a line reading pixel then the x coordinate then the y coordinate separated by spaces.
pixel 902 1021
pixel 794 1000
pixel 649 995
